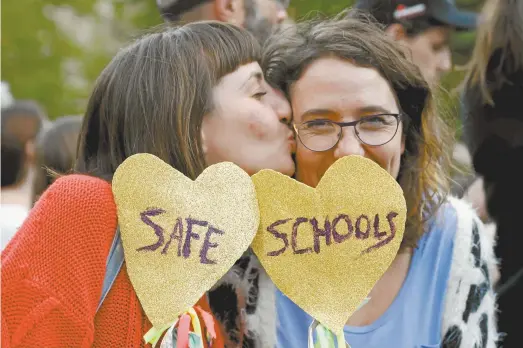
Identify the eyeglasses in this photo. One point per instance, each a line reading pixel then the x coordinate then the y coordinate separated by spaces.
pixel 323 135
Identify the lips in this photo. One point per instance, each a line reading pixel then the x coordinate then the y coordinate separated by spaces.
pixel 292 143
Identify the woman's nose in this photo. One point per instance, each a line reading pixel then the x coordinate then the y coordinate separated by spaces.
pixel 349 144
pixel 276 99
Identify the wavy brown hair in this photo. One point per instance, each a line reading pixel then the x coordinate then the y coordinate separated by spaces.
pixel 500 30
pixel 357 38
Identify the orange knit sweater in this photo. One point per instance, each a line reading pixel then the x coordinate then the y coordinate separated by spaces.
pixel 53 270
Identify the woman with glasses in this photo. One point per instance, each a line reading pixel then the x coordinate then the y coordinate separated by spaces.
pixel 353 92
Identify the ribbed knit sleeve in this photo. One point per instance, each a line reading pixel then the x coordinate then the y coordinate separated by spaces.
pixel 53 268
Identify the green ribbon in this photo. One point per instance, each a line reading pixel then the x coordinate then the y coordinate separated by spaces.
pixel 195 341
pixel 154 334
pixel 325 338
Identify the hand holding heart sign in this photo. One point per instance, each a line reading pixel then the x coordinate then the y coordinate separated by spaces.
pixel 325 248
pixel 181 236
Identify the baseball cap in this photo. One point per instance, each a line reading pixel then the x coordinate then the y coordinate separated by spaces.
pixel 171 10
pixel 397 11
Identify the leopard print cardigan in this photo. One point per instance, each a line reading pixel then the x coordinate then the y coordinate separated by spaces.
pixel 469 319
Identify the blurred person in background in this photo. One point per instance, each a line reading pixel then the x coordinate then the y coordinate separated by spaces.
pixel 493 132
pixel 21 122
pixel 13 169
pixel 55 152
pixel 260 17
pixel 424 28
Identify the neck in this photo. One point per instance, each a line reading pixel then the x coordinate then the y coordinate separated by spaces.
pixel 21 193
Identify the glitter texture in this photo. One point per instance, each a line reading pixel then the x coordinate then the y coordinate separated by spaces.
pixel 170 270
pixel 324 248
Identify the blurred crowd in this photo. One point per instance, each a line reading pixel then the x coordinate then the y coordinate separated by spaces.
pixel 487 169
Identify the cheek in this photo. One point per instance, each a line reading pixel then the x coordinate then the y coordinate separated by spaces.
pixel 261 124
pixel 387 156
pixel 421 53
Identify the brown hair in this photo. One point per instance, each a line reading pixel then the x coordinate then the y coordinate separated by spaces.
pixel 153 95
pixel 358 40
pixel 500 29
pixel 55 152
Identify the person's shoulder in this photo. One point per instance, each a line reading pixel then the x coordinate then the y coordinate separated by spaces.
pixel 443 224
pixel 80 198
pixel 460 219
pixel 76 208
pixel 79 185
pixel 470 297
pixel 456 223
pixel 90 194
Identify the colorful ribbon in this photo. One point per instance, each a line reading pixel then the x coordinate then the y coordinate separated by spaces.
pixel 186 338
pixel 326 338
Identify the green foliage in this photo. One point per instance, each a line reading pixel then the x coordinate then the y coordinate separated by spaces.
pixel 45 60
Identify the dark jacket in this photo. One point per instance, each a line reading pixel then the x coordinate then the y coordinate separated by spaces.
pixel 494 136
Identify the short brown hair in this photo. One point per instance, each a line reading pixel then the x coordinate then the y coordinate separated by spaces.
pixel 153 96
pixel 357 38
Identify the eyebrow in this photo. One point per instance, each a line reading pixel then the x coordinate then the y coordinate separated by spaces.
pixel 376 109
pixel 254 75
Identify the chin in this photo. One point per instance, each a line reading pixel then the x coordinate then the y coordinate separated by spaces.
pixel 288 168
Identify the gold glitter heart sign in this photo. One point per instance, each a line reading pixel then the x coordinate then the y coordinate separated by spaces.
pixel 181 236
pixel 326 247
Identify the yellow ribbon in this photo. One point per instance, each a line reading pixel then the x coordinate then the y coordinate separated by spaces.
pixel 195 321
pixel 340 338
pixel 154 334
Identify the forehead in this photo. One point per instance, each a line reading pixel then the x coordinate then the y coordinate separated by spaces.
pixel 340 86
pixel 435 33
pixel 241 75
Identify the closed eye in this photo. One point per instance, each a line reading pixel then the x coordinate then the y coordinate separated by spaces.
pixel 259 95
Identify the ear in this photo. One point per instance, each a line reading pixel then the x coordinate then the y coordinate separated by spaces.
pixel 230 11
pixel 396 31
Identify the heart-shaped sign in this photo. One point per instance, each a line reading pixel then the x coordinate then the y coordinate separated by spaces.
pixel 326 247
pixel 181 236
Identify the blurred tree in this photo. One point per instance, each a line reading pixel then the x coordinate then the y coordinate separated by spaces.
pixel 53 50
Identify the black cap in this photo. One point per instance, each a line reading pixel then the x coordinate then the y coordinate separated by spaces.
pixel 397 11
pixel 171 10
